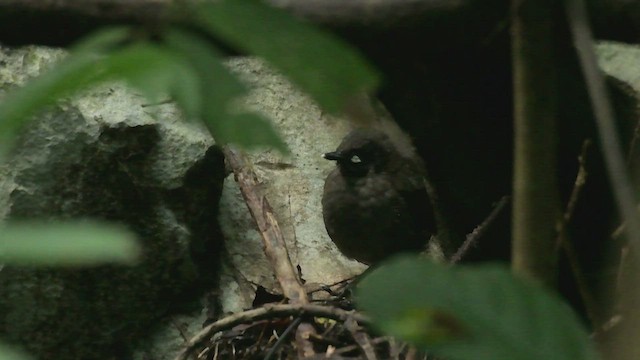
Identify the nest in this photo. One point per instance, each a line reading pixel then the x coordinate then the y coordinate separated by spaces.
pixel 270 332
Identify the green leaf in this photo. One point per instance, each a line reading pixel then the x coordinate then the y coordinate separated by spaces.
pixel 70 244
pixel 475 312
pixel 149 68
pixel 217 86
pixel 248 130
pixel 71 75
pixel 9 353
pixel 221 91
pixel 102 40
pixel 322 65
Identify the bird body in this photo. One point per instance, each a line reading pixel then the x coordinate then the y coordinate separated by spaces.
pixel 375 203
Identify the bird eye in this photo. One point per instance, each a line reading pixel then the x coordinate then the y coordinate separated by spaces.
pixel 355 159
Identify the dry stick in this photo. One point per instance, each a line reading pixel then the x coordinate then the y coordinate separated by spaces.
pixel 362 339
pixel 588 299
pixel 474 235
pixel 610 143
pixel 338 12
pixel 615 17
pixel 581 179
pixel 615 165
pixel 268 312
pixel 273 241
pixel 536 203
pixel 285 334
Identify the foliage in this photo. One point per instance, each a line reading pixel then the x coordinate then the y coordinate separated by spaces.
pixel 9 353
pixel 186 67
pixel 74 243
pixel 471 312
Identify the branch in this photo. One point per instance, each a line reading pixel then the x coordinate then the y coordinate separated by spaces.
pixel 60 22
pixel 588 299
pixel 472 238
pixel 535 190
pixel 267 312
pixel 273 241
pixel 607 132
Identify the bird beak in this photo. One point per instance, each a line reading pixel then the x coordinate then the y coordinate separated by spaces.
pixel 334 155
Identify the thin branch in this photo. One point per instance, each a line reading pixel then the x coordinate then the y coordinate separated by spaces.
pixel 624 194
pixel 64 20
pixel 472 238
pixel 535 191
pixel 588 299
pixel 285 334
pixel 609 140
pixel 264 217
pixel 267 312
pixel 361 338
pixel 275 247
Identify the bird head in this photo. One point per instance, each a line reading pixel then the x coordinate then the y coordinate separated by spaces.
pixel 361 152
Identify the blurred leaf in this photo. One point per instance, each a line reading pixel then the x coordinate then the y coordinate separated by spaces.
pixel 77 243
pixel 149 68
pixel 102 40
pixel 480 312
pixel 186 90
pixel 248 130
pixel 221 91
pixel 217 86
pixel 9 353
pixel 70 75
pixel 318 62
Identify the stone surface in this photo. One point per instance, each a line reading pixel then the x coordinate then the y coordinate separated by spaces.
pixel 103 155
pixel 293 184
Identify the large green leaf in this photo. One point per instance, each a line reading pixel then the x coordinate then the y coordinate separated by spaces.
pixel 476 312
pixel 8 353
pixel 74 73
pixel 71 75
pixel 248 130
pixel 103 40
pixel 217 86
pixel 220 91
pixel 319 63
pixel 73 243
pixel 149 68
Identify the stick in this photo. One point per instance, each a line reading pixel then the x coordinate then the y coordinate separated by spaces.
pixel 267 312
pixel 273 241
pixel 472 238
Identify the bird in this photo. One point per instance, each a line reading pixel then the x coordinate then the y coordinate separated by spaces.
pixel 375 202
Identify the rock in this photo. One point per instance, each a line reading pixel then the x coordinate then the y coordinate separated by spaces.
pixel 102 155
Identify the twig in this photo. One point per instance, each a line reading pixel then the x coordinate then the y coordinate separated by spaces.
pixel 588 299
pixel 474 235
pixel 610 143
pixel 581 179
pixel 536 203
pixel 616 19
pixel 273 241
pixel 267 312
pixel 617 172
pixel 263 215
pixel 361 339
pixel 285 334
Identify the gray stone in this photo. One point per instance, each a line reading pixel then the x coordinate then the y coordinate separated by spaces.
pixel 103 155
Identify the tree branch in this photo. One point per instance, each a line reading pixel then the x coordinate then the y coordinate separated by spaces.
pixel 535 190
pixel 60 22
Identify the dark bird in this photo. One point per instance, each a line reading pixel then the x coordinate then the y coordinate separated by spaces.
pixel 375 203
